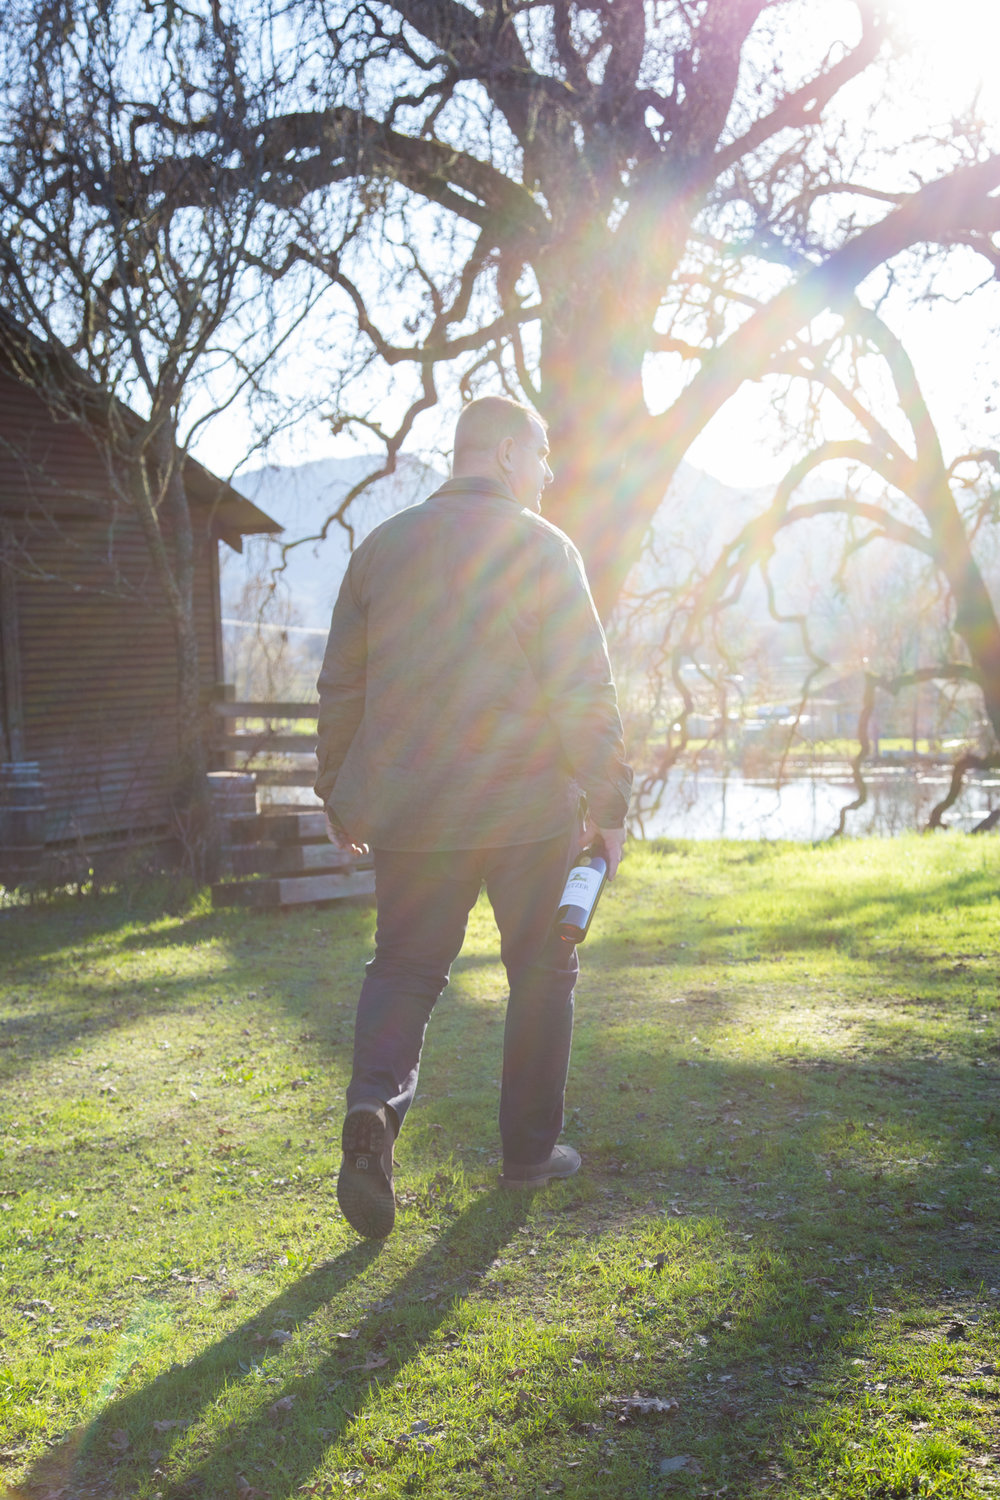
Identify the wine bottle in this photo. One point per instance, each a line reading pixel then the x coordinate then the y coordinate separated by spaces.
pixel 584 885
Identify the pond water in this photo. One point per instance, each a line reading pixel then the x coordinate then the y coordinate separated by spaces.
pixel 711 804
pixel 714 805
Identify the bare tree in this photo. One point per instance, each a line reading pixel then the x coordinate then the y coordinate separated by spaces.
pixel 136 313
pixel 552 197
pixel 889 484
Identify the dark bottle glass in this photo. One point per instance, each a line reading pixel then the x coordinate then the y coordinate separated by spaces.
pixel 584 885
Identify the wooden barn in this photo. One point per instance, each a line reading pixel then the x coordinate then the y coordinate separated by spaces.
pixel 88 676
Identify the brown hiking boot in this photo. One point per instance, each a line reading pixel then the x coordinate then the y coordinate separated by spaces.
pixel 365 1187
pixel 562 1161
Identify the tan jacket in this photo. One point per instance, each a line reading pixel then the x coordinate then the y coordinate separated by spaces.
pixel 466 695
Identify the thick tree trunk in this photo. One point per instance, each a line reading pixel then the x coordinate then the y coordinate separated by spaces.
pixel 975 614
pixel 192 802
pixel 163 507
pixel 609 477
pixel 619 461
pixel 177 514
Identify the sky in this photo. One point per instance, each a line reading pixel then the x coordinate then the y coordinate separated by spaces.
pixel 955 353
pixel 955 50
pixel 955 45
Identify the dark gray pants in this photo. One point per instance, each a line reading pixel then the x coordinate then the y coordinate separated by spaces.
pixel 423 903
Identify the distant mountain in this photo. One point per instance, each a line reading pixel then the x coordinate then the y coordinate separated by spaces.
pixel 697 514
pixel 300 498
pixel 274 639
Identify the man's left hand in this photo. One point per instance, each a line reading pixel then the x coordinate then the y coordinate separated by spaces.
pixel 613 840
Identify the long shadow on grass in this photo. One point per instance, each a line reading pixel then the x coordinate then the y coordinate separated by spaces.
pixel 51 928
pixel 50 1020
pixel 42 935
pixel 851 918
pixel 828 1246
pixel 852 1181
pixel 317 1407
pixel 47 931
pixel 857 1183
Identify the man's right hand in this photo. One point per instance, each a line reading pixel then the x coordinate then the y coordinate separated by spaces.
pixel 613 840
pixel 341 838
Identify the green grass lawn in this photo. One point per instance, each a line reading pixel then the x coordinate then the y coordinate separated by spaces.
pixel 777 1274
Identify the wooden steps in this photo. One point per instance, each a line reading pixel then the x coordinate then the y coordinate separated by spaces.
pixel 288 859
pixel 287 825
pixel 284 858
pixel 295 890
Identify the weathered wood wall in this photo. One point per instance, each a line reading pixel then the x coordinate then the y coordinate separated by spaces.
pixel 95 645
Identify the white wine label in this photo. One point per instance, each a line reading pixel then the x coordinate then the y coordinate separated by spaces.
pixel 581 887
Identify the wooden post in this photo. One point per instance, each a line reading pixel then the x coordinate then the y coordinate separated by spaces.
pixel 13 702
pixel 221 760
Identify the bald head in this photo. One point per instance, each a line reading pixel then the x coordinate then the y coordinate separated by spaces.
pixel 497 438
pixel 485 422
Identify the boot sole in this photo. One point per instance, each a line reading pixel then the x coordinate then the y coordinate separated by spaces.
pixel 364 1192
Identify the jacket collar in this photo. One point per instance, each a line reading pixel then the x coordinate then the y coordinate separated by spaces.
pixel 478 484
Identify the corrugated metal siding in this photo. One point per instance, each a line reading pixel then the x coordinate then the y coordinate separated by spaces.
pixel 98 662
pixel 45 459
pixel 99 682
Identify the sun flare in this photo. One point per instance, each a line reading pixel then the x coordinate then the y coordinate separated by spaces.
pixel 954 48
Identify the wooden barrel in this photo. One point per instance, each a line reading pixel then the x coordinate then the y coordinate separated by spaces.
pixel 22 808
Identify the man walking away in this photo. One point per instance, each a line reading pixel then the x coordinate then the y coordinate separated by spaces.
pixel 466 703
